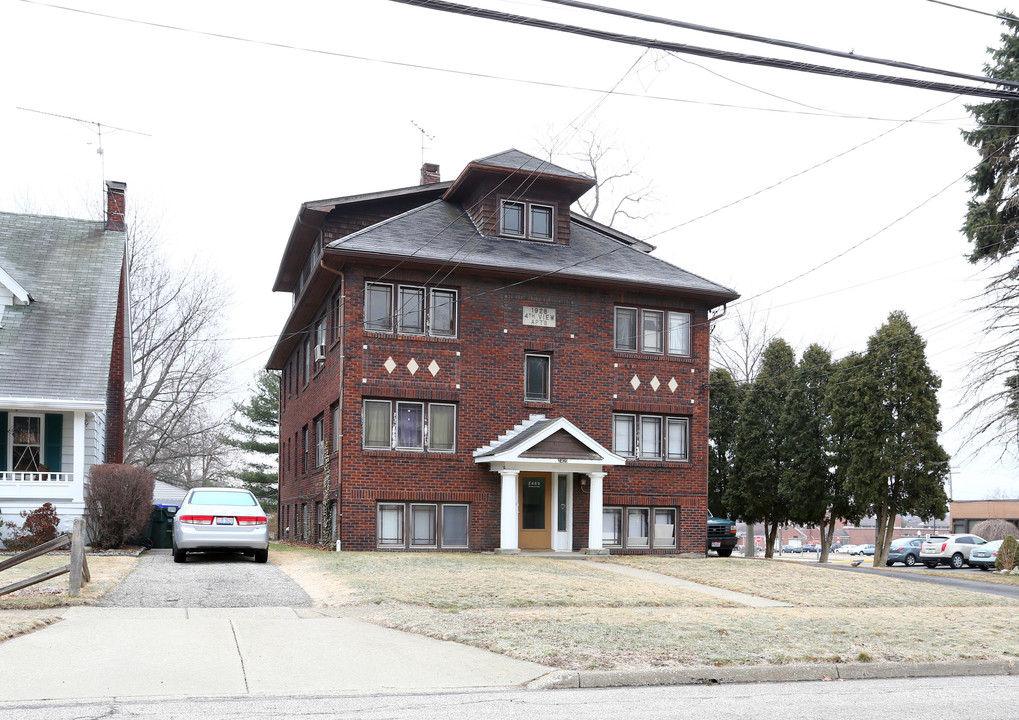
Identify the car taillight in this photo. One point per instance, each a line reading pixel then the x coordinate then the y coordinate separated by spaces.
pixel 252 521
pixel 196 519
pixel 943 546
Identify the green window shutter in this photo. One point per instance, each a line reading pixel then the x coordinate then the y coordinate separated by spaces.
pixel 54 450
pixel 3 441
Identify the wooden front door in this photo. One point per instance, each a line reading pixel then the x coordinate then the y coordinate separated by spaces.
pixel 535 511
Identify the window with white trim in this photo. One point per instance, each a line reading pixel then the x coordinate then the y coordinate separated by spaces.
pixel 320 441
pixel 417 310
pixel 651 437
pixel 537 376
pixel 639 528
pixel 408 425
pixel 658 332
pixel 422 525
pixel 526 220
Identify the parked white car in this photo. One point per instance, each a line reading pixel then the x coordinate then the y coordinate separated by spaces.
pixel 220 520
pixel 952 550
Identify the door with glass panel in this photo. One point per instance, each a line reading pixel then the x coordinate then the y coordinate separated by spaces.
pixel 535 531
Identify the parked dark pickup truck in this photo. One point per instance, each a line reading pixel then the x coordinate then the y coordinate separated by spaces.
pixel 721 535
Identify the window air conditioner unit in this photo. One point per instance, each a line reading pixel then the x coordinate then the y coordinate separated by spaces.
pixel 320 353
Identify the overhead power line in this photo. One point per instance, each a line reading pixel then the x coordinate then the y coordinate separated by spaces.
pixel 779 43
pixel 1007 18
pixel 779 63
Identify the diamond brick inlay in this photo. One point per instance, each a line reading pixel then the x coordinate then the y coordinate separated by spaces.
pixel 433 368
pixel 389 365
pixel 413 366
pixel 673 385
pixel 655 384
pixel 635 382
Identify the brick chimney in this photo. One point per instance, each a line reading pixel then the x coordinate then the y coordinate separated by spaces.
pixel 116 205
pixel 429 174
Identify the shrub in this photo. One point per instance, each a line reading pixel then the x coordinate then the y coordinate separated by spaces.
pixel 40 526
pixel 118 502
pixel 991 530
pixel 1007 554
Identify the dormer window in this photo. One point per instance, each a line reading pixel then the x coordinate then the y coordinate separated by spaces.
pixel 526 220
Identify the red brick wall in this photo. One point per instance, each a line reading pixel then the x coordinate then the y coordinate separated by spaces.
pixel 589 382
pixel 115 383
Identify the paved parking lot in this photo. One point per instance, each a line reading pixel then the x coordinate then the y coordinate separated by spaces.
pixel 206 581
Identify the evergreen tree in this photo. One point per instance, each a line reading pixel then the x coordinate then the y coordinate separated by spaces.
pixel 842 396
pixel 725 399
pixel 808 478
pixel 256 433
pixel 992 216
pixel 896 464
pixel 754 494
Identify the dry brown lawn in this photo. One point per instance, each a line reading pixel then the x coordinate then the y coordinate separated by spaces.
pixel 810 585
pixel 106 572
pixel 571 615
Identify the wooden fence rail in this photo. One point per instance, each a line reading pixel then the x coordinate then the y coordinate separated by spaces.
pixel 78 567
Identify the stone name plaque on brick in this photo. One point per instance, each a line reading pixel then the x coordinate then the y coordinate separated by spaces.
pixel 539 316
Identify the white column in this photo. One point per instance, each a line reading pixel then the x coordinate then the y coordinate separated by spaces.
pixel 594 523
pixel 78 464
pixel 508 538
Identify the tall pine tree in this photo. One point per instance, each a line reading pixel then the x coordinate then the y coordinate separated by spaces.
pixel 725 399
pixel 256 433
pixel 808 478
pixel 896 464
pixel 761 458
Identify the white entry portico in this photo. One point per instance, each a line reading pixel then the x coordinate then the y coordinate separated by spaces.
pixel 538 461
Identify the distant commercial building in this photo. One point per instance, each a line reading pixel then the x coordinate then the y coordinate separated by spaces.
pixel 967 513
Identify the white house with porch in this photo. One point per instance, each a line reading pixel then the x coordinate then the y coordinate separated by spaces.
pixel 65 354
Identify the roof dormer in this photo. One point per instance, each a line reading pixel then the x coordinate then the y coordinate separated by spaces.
pixel 11 292
pixel 516 195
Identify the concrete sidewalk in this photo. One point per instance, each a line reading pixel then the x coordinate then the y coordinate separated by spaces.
pixel 177 652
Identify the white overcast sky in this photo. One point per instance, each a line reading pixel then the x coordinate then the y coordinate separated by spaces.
pixel 239 134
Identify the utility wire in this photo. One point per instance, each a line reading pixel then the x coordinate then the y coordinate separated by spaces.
pixel 779 43
pixel 779 63
pixel 978 12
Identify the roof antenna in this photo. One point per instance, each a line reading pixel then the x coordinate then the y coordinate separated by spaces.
pixel 423 136
pixel 98 131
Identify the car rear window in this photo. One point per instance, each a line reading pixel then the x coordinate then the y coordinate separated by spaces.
pixel 219 497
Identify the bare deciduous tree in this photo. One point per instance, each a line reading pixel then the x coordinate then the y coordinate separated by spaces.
pixel 620 192
pixel 738 342
pixel 171 425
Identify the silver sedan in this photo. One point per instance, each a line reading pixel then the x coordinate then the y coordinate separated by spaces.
pixel 220 519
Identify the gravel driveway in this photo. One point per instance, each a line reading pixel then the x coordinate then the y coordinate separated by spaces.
pixel 206 581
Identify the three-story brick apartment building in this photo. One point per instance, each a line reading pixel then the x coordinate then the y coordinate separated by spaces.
pixel 468 365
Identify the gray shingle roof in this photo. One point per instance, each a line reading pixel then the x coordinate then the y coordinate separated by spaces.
pixel 443 232
pixel 58 347
pixel 515 160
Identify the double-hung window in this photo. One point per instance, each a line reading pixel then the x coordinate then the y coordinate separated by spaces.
pixel 320 441
pixel 526 220
pixel 406 425
pixel 651 437
pixel 537 371
pixel 410 310
pixel 652 331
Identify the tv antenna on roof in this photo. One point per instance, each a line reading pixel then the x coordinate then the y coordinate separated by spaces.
pixel 423 136
pixel 99 127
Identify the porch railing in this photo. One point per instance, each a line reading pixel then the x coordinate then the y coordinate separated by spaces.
pixel 19 476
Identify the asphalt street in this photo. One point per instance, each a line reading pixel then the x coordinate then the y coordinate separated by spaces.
pixel 205 581
pixel 974 697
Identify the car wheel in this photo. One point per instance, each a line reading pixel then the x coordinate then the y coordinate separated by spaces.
pixel 262 555
pixel 180 556
pixel 910 561
pixel 957 561
pixel 983 567
pixel 889 563
pixel 931 563
pixel 724 552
